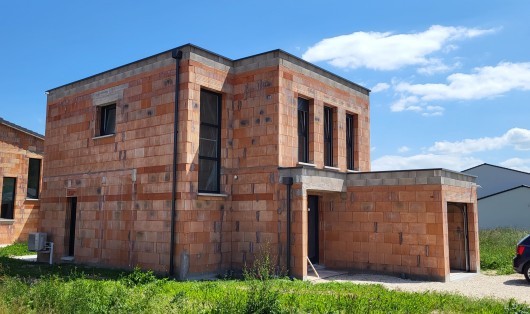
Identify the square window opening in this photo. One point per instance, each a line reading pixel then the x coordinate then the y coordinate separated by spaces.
pixel 106 120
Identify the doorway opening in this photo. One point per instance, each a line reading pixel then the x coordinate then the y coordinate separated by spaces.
pixel 312 229
pixel 70 226
pixel 458 234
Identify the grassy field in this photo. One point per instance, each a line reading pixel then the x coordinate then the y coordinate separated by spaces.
pixel 140 292
pixel 497 249
pixel 17 249
pixel 41 288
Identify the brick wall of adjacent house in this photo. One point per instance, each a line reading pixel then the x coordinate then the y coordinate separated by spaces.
pixel 123 182
pixel 16 148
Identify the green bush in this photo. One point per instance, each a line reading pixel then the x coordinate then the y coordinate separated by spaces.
pixel 262 298
pixel 264 266
pixel 138 277
pixel 497 248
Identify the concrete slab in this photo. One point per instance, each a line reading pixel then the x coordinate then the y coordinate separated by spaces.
pixel 460 275
pixel 28 258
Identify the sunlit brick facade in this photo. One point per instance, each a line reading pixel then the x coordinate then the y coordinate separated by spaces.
pixel 241 127
pixel 19 214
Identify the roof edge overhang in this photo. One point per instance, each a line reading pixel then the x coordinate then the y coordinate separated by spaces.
pixel 21 129
pixel 232 62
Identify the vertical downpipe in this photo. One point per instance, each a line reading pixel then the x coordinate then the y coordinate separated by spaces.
pixel 177 55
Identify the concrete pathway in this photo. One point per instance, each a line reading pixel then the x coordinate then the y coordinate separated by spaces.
pixel 503 287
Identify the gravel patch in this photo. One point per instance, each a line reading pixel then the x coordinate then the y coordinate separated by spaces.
pixel 502 287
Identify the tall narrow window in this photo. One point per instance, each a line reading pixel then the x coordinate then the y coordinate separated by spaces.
pixel 350 140
pixel 303 130
pixel 107 120
pixel 209 142
pixel 33 178
pixel 8 198
pixel 328 136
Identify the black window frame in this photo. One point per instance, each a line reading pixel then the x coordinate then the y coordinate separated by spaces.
pixel 303 130
pixel 34 165
pixel 350 141
pixel 104 114
pixel 203 186
pixel 7 210
pixel 328 136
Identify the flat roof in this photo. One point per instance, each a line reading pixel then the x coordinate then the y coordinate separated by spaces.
pixel 310 65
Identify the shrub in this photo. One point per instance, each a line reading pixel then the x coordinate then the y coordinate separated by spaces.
pixel 263 267
pixel 262 298
pixel 138 277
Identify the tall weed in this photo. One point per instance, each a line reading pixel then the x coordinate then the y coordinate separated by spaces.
pixel 497 248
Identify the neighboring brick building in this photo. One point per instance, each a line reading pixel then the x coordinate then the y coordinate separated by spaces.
pixel 251 133
pixel 20 168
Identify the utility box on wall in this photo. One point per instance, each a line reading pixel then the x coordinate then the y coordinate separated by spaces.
pixel 36 241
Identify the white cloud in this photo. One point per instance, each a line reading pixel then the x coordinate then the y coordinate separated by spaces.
pixel 424 161
pixel 405 103
pixel 458 155
pixel 517 163
pixel 484 82
pixel 379 87
pixel 517 138
pixel 432 111
pixel 403 149
pixel 388 51
pixel 437 66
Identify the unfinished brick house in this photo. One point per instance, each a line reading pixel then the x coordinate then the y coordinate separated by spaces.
pixel 20 177
pixel 270 149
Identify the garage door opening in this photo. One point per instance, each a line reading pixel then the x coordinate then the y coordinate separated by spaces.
pixel 458 234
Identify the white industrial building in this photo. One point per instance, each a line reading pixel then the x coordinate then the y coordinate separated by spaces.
pixel 503 196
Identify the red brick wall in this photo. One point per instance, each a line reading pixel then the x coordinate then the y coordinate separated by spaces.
pixel 122 182
pixel 293 85
pixel 393 229
pixel 16 148
pixel 126 222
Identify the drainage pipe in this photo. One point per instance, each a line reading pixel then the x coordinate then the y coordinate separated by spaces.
pixel 177 55
pixel 288 181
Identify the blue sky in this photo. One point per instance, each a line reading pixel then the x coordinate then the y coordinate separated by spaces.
pixel 450 80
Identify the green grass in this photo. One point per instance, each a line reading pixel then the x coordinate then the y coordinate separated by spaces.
pixel 33 271
pixel 17 249
pixel 90 290
pixel 497 248
pixel 40 288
